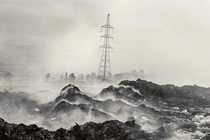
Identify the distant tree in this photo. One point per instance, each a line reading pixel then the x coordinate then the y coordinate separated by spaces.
pixel 8 76
pixel 135 74
pixel 66 77
pixel 72 77
pixel 93 76
pixel 61 77
pixel 81 77
pixel 47 76
pixel 87 77
pixel 121 76
pixel 142 74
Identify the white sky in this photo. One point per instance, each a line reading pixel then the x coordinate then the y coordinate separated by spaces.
pixel 166 38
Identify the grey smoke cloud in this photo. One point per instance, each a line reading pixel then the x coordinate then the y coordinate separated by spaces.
pixel 166 37
pixel 31 31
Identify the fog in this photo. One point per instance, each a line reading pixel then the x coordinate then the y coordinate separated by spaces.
pixel 166 38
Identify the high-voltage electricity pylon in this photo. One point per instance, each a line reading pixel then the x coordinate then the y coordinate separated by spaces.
pixel 104 72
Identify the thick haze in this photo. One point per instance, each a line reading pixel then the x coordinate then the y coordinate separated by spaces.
pixel 169 39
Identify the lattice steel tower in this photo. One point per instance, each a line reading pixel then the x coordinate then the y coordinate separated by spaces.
pixel 104 72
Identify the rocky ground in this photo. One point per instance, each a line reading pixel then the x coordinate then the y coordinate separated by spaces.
pixel 150 112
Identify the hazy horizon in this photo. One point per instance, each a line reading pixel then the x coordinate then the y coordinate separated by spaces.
pixel 167 39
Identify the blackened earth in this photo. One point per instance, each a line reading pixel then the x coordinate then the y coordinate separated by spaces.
pixel 149 112
pixel 108 130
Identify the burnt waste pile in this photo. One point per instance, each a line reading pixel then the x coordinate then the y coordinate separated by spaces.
pixel 107 130
pixel 131 110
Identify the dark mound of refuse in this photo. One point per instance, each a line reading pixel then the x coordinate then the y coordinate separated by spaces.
pixel 107 130
pixel 73 94
pixel 206 137
pixel 173 96
pixel 121 93
pixel 64 106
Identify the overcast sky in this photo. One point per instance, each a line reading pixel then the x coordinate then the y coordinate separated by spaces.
pixel 166 38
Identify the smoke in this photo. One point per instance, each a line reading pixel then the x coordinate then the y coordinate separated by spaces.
pixel 35 34
pixel 27 105
pixel 50 36
pixel 15 104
